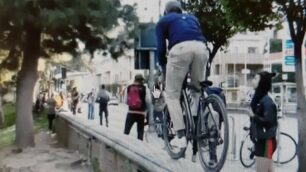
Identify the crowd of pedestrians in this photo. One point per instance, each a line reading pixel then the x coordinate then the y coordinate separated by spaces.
pixel 138 98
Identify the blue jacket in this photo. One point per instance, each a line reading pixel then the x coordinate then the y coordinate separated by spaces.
pixel 176 28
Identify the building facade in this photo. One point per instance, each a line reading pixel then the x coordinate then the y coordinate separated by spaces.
pixel 233 68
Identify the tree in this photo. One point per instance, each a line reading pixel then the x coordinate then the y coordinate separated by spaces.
pixel 215 26
pixel 32 29
pixel 5 84
pixel 2 119
pixel 257 15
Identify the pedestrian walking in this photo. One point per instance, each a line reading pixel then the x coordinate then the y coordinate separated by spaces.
pixel 137 97
pixel 75 100
pixel 59 99
pixel 38 108
pixel 103 99
pixel 263 122
pixel 51 103
pixel 91 99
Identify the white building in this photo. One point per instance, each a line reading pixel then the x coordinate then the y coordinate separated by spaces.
pixel 249 51
pixel 116 74
pixel 233 68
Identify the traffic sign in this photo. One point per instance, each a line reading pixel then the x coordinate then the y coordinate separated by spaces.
pixel 288 56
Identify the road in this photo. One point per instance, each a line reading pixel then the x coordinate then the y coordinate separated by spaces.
pixel 117 115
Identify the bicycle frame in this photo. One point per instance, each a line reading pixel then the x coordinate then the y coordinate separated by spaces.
pixel 190 124
pixel 189 120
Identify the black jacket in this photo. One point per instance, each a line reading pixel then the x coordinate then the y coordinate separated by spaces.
pixel 266 118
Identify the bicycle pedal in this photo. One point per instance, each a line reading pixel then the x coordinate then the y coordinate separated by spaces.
pixel 204 136
pixel 252 155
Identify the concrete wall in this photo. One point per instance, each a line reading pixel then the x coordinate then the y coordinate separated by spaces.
pixel 106 154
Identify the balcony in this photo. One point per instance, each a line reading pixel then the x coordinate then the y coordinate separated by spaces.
pixel 238 58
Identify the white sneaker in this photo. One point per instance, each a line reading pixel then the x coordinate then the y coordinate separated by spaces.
pixel 179 142
pixel 194 158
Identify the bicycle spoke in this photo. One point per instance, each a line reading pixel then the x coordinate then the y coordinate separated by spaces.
pixel 212 134
pixel 285 150
pixel 247 158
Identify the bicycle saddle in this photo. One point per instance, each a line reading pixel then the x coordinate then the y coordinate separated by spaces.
pixel 206 83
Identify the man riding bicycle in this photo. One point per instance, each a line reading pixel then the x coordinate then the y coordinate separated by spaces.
pixel 187 53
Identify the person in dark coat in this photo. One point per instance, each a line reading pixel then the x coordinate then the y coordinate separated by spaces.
pixel 264 118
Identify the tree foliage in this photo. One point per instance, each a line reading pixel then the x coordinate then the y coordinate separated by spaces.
pixel 244 13
pixel 61 23
pixel 215 26
pixel 31 29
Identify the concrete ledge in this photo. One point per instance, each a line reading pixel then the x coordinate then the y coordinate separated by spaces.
pixel 108 150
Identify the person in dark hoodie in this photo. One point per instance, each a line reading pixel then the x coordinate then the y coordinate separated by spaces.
pixel 264 122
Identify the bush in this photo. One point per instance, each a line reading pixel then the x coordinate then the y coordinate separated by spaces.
pixel 9 114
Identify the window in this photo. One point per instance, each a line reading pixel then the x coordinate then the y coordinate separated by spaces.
pixel 252 50
pixel 234 96
pixel 291 92
pixel 116 78
pixel 217 70
pixel 276 89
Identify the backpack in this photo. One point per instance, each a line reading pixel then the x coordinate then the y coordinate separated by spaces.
pixel 217 91
pixel 135 97
pixel 103 99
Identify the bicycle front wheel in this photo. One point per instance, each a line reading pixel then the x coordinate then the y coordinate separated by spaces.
pixel 168 135
pixel 247 152
pixel 212 133
pixel 285 150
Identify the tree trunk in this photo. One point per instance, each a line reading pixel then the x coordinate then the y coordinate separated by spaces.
pixel 212 55
pixel 1 113
pixel 26 80
pixel 301 107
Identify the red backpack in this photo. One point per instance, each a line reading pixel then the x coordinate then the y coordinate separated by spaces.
pixel 135 94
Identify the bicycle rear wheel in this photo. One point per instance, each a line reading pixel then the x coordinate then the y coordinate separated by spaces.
pixel 246 154
pixel 212 133
pixel 289 145
pixel 168 135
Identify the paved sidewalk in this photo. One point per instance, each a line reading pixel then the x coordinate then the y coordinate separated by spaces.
pixel 117 115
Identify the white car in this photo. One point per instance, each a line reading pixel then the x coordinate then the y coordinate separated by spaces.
pixel 113 101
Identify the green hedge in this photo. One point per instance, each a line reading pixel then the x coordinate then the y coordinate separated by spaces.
pixel 9 114
pixel 7 134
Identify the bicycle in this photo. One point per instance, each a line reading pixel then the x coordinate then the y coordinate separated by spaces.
pixel 210 134
pixel 247 157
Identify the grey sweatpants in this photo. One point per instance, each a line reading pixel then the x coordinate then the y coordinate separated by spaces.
pixel 183 57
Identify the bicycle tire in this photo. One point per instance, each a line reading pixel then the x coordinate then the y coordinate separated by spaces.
pixel 283 135
pixel 202 142
pixel 168 135
pixel 294 144
pixel 249 149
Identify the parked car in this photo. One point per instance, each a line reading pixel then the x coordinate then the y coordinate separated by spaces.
pixel 113 101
